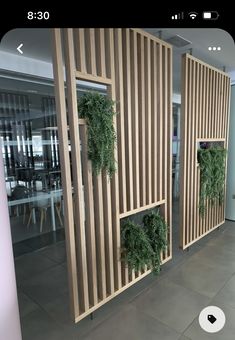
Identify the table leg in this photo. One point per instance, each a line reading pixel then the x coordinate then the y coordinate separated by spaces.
pixel 34 216
pixel 53 213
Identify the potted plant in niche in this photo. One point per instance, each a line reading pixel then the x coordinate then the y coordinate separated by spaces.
pixel 142 245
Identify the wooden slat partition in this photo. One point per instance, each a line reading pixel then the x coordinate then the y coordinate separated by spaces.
pixel 136 68
pixel 204 118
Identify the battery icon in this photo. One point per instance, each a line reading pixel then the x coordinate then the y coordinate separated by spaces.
pixel 212 15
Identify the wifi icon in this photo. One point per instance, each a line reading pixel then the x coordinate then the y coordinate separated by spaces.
pixel 193 15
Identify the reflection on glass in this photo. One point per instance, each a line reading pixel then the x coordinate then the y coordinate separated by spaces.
pixel 176 150
pixel 30 148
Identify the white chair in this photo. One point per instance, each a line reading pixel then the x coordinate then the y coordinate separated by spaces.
pixel 41 205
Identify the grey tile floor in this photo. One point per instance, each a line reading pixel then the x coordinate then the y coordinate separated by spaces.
pixel 164 307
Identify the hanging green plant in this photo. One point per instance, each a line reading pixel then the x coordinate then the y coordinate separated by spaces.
pixel 98 110
pixel 156 230
pixel 142 245
pixel 212 176
pixel 136 249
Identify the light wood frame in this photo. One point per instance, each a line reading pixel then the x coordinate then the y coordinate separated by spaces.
pixel 204 117
pixel 136 67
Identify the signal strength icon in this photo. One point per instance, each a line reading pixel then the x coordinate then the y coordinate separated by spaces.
pixel 177 16
pixel 193 15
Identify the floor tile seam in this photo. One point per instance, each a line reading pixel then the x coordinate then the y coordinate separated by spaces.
pixel 48 257
pixel 187 260
pixel 193 290
pixel 196 317
pixel 189 289
pixel 34 252
pixel 224 285
pixel 40 273
pixel 157 319
pixel 41 308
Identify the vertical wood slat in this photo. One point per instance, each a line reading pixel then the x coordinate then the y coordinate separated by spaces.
pixel 165 118
pixel 80 49
pixel 114 183
pixel 89 219
pixel 207 104
pixel 210 79
pixel 183 145
pixel 192 151
pixel 141 74
pixel 148 122
pixel 216 106
pixel 213 104
pixel 200 83
pixel 76 164
pixel 165 133
pixel 107 191
pixel 100 242
pixel 226 135
pixel 189 156
pixel 160 110
pixel 128 128
pixel 108 234
pixel 65 172
pixel 226 106
pixel 212 132
pixel 169 152
pixel 155 130
pixel 223 103
pixel 121 134
pixel 196 118
pixel 90 51
pixel 100 52
pixel 120 120
pixel 135 118
pixel 202 94
pixel 128 118
pixel 202 134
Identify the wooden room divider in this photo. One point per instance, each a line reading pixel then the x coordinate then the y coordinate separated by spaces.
pixel 136 67
pixel 204 118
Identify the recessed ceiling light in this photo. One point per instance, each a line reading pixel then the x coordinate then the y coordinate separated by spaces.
pixel 210 48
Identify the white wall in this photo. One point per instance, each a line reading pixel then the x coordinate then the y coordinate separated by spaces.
pixel 230 202
pixel 9 312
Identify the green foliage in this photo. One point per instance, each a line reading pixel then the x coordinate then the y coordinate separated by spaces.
pixel 98 110
pixel 136 250
pixel 212 176
pixel 142 245
pixel 156 230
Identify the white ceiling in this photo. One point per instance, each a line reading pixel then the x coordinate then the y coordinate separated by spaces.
pixel 200 40
pixel 37 45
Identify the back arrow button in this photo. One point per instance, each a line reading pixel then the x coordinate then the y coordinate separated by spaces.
pixel 19 48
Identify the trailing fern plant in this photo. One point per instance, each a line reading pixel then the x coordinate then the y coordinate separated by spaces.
pixel 98 110
pixel 136 249
pixel 156 230
pixel 212 176
pixel 142 245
